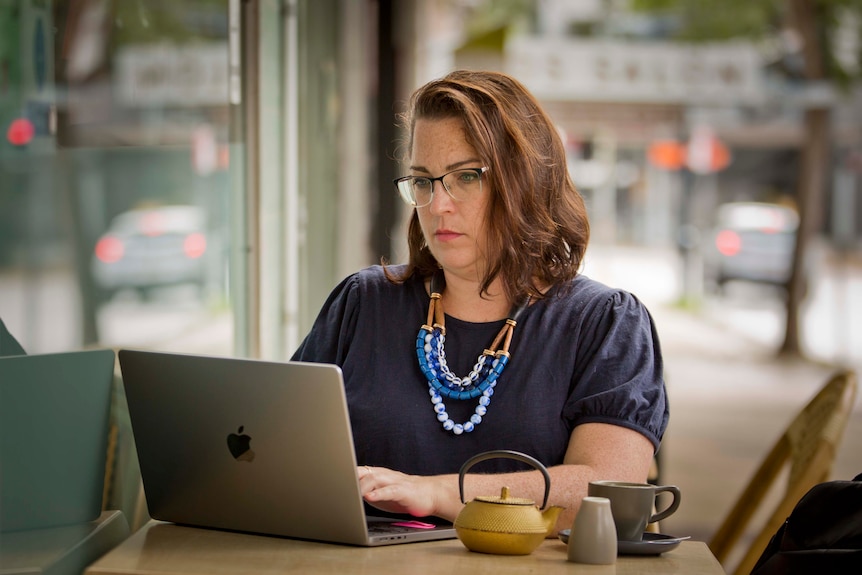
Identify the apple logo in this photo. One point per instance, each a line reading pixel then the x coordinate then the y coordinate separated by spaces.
pixel 238 443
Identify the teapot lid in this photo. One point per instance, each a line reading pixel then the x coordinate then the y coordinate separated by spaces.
pixel 504 499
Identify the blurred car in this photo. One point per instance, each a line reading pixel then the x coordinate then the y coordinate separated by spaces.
pixel 751 241
pixel 150 248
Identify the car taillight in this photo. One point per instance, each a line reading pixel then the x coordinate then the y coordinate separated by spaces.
pixel 109 249
pixel 728 243
pixel 195 245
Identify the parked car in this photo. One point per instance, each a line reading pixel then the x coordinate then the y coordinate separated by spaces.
pixel 145 249
pixel 751 241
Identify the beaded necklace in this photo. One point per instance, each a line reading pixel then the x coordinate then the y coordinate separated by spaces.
pixel 480 382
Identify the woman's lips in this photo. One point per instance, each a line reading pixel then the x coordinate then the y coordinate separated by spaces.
pixel 446 235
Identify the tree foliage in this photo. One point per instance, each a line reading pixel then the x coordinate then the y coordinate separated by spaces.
pixel 168 21
pixel 771 21
pixel 709 20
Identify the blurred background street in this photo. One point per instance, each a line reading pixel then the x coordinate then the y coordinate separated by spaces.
pixel 197 175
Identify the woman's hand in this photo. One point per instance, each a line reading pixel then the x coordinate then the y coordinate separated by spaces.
pixel 587 459
pixel 419 496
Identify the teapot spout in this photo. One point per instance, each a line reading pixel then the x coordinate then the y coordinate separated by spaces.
pixel 550 516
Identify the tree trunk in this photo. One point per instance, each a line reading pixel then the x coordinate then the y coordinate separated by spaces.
pixel 804 19
pixel 812 176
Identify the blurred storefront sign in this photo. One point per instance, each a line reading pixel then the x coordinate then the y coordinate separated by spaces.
pixel 704 153
pixel 167 74
pixel 654 72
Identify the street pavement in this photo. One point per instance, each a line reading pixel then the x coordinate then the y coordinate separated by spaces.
pixel 730 395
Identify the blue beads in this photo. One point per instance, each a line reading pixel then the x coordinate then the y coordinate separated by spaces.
pixel 442 383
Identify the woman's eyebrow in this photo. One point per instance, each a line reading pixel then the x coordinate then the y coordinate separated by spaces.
pixel 449 168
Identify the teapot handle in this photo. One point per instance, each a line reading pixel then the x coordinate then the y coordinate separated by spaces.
pixel 505 454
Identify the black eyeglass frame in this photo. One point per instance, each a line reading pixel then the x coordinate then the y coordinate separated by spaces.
pixel 480 172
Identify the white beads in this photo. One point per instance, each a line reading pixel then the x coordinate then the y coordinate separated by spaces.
pixel 445 373
pixel 459 428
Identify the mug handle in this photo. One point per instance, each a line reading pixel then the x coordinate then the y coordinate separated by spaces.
pixel 674 505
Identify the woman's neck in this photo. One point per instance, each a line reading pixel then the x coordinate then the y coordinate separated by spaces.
pixel 462 300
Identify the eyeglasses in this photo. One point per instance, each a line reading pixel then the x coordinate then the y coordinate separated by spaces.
pixel 461 185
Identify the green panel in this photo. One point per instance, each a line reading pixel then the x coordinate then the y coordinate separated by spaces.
pixel 319 43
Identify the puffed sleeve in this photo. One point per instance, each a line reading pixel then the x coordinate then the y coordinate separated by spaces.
pixel 620 380
pixel 330 336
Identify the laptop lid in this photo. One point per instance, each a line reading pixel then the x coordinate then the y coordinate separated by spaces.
pixel 250 445
pixel 54 418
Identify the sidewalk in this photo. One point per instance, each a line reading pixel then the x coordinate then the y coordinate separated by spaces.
pixel 730 396
pixel 730 400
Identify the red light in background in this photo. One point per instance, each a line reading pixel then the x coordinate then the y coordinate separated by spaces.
pixel 728 243
pixel 195 245
pixel 109 249
pixel 20 132
pixel 666 154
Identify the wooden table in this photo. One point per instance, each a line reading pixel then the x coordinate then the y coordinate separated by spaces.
pixel 167 548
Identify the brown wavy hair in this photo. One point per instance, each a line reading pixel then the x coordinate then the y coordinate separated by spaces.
pixel 537 226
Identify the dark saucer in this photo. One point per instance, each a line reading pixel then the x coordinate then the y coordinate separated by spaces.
pixel 652 543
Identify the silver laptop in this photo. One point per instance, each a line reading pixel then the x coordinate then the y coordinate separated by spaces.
pixel 253 446
pixel 54 417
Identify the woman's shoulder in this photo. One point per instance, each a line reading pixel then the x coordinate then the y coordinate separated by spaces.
pixel 376 282
pixel 582 290
pixel 583 298
pixel 377 277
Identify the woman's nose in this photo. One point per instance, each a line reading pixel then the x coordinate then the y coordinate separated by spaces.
pixel 441 201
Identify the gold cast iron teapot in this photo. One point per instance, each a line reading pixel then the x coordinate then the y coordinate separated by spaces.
pixel 504 525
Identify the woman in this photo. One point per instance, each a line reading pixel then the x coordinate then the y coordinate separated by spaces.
pixel 500 231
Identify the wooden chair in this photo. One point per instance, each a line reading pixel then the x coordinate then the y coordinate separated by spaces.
pixel 808 445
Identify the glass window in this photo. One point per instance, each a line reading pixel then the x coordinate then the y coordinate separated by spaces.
pixel 116 174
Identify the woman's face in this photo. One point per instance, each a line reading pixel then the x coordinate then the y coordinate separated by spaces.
pixel 454 230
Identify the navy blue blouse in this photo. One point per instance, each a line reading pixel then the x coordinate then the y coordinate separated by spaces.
pixel 589 355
